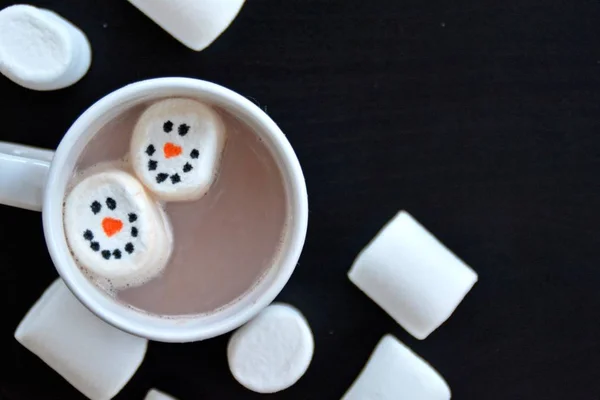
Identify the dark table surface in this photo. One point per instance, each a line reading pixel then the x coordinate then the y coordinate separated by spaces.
pixel 480 117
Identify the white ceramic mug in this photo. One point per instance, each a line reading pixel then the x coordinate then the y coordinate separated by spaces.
pixel 36 179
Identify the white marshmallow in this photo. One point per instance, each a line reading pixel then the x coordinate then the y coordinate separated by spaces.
pixel 271 352
pixel 412 276
pixel 94 357
pixel 158 395
pixel 116 230
pixel 394 372
pixel 40 50
pixel 176 148
pixel 195 23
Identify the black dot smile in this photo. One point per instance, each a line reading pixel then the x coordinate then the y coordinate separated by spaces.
pixel 175 178
pixel 150 150
pixel 160 178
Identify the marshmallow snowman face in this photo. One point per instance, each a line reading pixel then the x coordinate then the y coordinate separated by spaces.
pixel 176 148
pixel 115 229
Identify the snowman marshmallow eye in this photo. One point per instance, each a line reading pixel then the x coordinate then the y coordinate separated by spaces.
pixel 176 148
pixel 115 229
pixel 183 129
pixel 111 203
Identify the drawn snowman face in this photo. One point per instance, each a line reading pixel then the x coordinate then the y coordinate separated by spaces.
pixel 170 156
pixel 114 228
pixel 113 233
pixel 176 148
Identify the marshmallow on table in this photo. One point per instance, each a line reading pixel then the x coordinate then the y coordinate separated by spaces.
pixel 195 23
pixel 412 276
pixel 271 352
pixel 394 372
pixel 116 230
pixel 94 357
pixel 40 50
pixel 158 395
pixel 176 148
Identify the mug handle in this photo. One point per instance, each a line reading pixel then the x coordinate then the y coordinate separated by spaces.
pixel 23 175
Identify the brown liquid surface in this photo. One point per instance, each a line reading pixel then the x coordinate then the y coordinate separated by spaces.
pixel 224 242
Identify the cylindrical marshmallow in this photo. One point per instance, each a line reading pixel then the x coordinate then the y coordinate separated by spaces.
pixel 158 395
pixel 116 230
pixel 195 23
pixel 394 372
pixel 412 276
pixel 176 148
pixel 94 357
pixel 273 351
pixel 41 50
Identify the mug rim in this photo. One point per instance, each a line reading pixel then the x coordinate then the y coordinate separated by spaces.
pixel 182 329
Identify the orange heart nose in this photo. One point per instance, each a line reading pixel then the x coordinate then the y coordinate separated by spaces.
pixel 111 226
pixel 171 150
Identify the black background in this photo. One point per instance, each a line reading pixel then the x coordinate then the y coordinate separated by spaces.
pixel 480 117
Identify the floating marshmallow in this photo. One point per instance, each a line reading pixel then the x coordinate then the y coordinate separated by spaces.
pixel 176 148
pixel 394 372
pixel 158 395
pixel 195 23
pixel 273 351
pixel 40 50
pixel 412 276
pixel 116 230
pixel 94 357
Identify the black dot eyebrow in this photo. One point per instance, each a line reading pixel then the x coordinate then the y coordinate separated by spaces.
pixel 132 217
pixel 161 177
pixel 96 207
pixel 168 126
pixel 187 167
pixel 111 203
pixel 175 178
pixel 150 149
pixel 129 248
pixel 152 165
pixel 183 129
pixel 195 153
pixel 88 235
